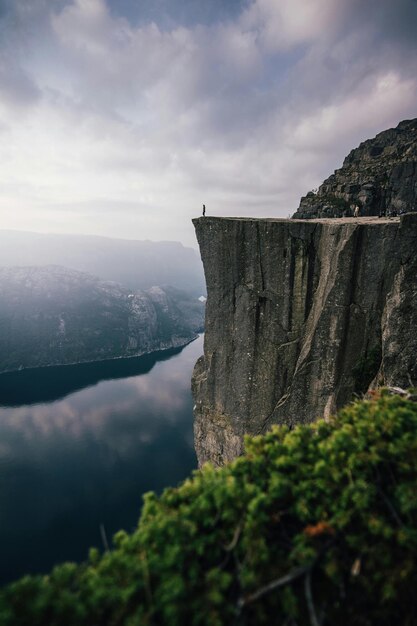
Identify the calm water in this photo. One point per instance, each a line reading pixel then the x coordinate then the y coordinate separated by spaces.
pixel 80 444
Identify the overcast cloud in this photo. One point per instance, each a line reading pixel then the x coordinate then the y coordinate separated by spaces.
pixel 121 117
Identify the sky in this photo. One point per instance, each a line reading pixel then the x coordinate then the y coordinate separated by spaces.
pixel 122 117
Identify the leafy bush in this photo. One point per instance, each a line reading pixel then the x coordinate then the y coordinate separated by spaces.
pixel 312 526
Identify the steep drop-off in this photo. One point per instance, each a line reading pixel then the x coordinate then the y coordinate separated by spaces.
pixel 53 316
pixel 300 316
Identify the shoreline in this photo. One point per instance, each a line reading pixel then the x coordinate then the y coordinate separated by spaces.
pixel 108 360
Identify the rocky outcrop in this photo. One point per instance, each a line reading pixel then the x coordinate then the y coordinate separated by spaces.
pixel 53 316
pixel 300 316
pixel 378 176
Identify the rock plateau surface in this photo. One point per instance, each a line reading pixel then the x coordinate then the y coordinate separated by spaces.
pixel 300 316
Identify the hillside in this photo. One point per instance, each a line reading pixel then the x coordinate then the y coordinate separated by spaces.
pixel 53 316
pixel 312 526
pixel 135 264
pixel 378 176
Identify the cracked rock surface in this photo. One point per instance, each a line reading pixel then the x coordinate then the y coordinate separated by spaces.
pixel 300 316
pixel 379 175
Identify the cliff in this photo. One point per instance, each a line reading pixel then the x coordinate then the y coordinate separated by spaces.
pixel 53 316
pixel 300 316
pixel 379 175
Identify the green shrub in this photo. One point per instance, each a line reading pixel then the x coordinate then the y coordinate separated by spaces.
pixel 325 515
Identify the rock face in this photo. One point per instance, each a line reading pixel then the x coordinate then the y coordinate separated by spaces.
pixel 53 316
pixel 300 316
pixel 380 175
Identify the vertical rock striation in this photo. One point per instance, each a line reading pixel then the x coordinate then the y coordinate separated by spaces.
pixel 300 316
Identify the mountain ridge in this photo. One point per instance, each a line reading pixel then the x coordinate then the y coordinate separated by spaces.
pixel 134 263
pixel 53 315
pixel 379 177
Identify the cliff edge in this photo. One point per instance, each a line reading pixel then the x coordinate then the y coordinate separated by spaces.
pixel 300 316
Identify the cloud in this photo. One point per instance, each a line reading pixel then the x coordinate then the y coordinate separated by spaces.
pixel 16 87
pixel 124 122
pixel 288 23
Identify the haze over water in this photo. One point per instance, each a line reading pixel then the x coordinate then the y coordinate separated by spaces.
pixel 70 464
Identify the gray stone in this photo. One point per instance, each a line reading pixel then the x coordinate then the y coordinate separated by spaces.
pixel 378 175
pixel 300 316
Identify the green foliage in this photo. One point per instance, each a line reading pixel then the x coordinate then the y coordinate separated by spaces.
pixel 327 511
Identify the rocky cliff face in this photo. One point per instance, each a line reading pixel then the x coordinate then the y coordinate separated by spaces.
pixel 379 175
pixel 53 316
pixel 300 316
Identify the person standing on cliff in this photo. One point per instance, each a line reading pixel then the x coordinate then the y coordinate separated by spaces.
pixel 357 211
pixel 204 210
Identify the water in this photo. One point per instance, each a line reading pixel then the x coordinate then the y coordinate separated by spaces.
pixel 79 445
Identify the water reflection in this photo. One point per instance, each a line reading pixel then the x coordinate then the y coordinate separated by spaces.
pixel 69 465
pixel 46 384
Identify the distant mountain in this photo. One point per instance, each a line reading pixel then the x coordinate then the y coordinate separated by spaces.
pixel 378 176
pixel 54 315
pixel 135 264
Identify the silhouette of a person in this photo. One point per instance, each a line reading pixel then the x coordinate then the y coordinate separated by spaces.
pixel 204 210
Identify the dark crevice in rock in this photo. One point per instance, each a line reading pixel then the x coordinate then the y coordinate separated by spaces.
pixel 352 289
pixel 311 286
